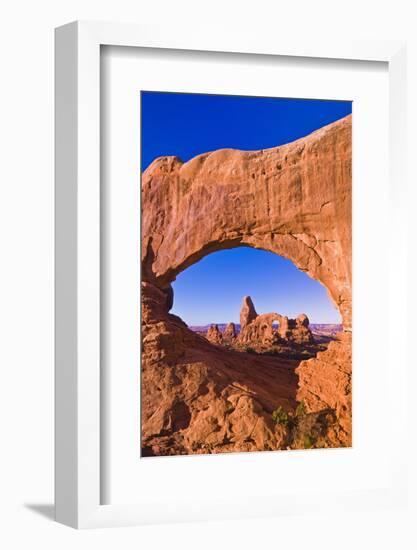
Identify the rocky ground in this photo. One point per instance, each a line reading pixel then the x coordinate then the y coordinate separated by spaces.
pixel 198 397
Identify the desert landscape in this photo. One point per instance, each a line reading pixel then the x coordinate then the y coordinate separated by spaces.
pixel 269 382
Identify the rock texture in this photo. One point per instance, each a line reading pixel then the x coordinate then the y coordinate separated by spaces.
pixel 325 382
pixel 294 200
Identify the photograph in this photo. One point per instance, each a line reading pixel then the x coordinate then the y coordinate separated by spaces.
pixel 246 274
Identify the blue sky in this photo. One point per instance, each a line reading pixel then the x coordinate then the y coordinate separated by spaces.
pixel 186 125
pixel 211 290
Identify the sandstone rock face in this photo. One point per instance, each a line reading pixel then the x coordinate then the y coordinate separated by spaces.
pixel 294 200
pixel 325 382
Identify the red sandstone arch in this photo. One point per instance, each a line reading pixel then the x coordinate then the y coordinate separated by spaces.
pixel 293 200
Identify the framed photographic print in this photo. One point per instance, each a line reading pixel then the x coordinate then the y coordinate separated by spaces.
pixel 222 208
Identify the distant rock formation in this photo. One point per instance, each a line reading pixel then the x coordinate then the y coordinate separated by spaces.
pixel 247 312
pixel 260 330
pixel 229 333
pixel 214 335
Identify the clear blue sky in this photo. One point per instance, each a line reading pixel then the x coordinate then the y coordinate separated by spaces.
pixel 211 290
pixel 186 125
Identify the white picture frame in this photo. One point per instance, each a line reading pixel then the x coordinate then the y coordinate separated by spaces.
pixel 77 238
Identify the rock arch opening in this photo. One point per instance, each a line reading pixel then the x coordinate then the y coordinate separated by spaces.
pixel 298 206
pixel 215 297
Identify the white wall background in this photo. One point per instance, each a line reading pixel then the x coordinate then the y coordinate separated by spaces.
pixel 26 273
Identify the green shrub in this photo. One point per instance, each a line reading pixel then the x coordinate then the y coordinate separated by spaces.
pixel 301 409
pixel 279 416
pixel 309 441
